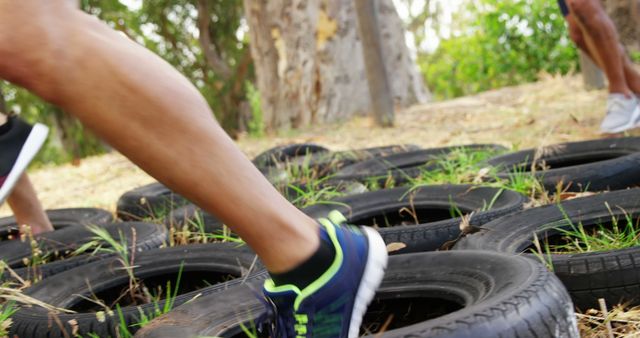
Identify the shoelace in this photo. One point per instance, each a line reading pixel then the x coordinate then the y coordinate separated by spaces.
pixel 278 326
pixel 616 103
pixel 283 325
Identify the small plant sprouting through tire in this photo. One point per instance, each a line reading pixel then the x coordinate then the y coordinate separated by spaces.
pixel 95 291
pixel 403 167
pixel 426 217
pixel 437 294
pixel 612 274
pixel 597 165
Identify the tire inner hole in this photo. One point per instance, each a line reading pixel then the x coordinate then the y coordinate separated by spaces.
pixel 389 312
pixel 156 287
pixel 409 216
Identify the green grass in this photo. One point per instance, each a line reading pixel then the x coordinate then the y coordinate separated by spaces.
pixel 158 310
pixel 462 166
pixel 6 311
pixel 193 232
pixel 619 233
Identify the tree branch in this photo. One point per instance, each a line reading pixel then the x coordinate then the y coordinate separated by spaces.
pixel 211 55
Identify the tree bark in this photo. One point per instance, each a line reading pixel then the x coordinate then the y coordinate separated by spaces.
pixel 591 74
pixel 377 79
pixel 309 64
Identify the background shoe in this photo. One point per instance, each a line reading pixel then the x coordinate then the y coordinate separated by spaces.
pixel 623 113
pixel 334 304
pixel 19 144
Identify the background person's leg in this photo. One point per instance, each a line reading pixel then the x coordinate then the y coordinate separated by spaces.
pixel 26 207
pixel 594 32
pixel 147 110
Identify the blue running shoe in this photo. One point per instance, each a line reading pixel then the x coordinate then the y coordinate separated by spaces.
pixel 333 305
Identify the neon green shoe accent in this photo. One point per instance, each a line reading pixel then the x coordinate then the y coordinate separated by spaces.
pixel 271 287
pixel 337 217
pixel 301 327
pixel 302 318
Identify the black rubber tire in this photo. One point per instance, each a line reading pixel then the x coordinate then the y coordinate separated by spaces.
pixel 68 239
pixel 613 275
pixel 329 163
pixel 427 235
pixel 155 201
pixel 326 163
pixel 148 201
pixel 597 165
pixel 66 290
pixel 498 296
pixel 193 217
pixel 60 218
pixel 403 166
pixel 279 154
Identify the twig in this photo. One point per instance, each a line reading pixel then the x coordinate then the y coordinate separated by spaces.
pixel 597 318
pixel 605 313
pixel 384 327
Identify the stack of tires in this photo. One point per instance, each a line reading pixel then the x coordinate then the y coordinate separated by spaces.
pixel 461 262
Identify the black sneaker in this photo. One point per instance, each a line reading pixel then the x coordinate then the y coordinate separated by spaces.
pixel 19 143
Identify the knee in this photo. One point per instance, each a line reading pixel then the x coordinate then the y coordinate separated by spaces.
pixel 28 50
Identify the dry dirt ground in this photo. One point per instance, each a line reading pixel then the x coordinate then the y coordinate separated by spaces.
pixel 555 109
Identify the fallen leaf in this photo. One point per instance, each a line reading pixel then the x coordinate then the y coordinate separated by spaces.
pixel 396 246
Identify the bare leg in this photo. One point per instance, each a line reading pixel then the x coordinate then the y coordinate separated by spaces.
pixel 631 74
pixel 3 119
pixel 27 208
pixel 153 115
pixel 593 31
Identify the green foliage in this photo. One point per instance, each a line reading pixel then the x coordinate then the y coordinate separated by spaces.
pixel 256 125
pixel 67 139
pixel 500 43
pixel 6 311
pixel 169 29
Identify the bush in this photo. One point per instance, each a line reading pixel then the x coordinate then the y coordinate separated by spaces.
pixel 506 42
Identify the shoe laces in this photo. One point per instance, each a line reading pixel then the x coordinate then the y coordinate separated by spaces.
pixel 287 324
pixel 617 104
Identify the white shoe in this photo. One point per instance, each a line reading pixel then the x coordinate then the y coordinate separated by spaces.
pixel 623 113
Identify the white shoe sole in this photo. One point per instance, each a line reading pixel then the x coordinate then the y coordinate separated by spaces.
pixel 634 122
pixel 371 279
pixel 29 150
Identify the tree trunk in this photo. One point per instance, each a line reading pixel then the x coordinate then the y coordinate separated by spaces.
pixel 626 16
pixel 591 74
pixel 377 77
pixel 309 64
